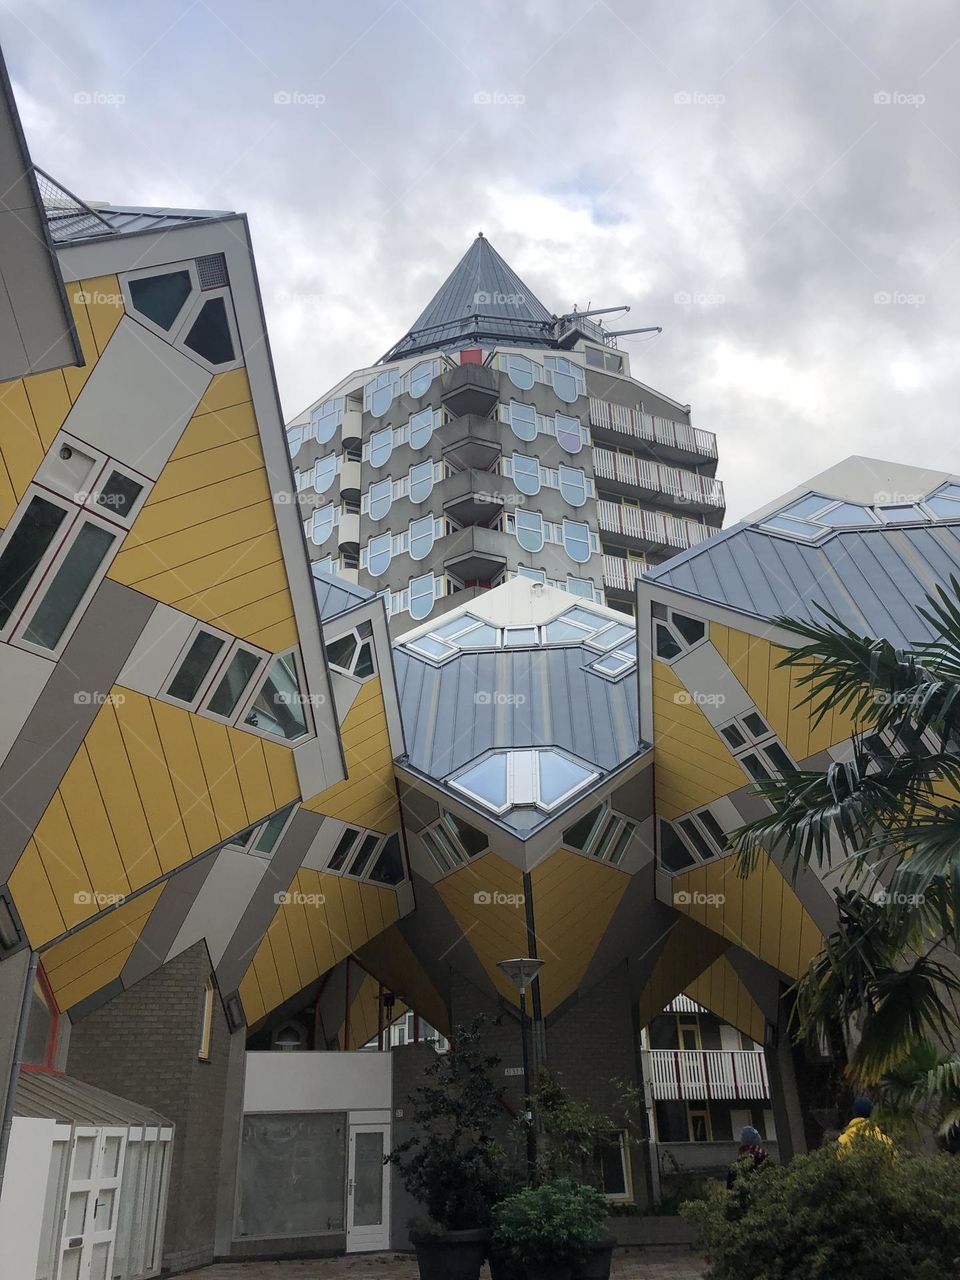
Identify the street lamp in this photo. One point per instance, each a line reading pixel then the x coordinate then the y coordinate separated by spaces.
pixel 522 972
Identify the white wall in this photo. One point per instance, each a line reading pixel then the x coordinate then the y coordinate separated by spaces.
pixel 24 1193
pixel 321 1081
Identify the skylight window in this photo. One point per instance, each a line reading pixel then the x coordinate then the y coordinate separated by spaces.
pixel 542 779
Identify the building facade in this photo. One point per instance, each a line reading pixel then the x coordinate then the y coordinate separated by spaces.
pixel 493 439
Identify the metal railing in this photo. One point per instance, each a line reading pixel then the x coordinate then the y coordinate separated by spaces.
pixel 654 430
pixel 650 526
pixel 656 477
pixel 620 573
pixel 68 217
pixel 724 1074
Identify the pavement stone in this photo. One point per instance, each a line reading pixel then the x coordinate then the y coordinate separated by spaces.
pixel 628 1264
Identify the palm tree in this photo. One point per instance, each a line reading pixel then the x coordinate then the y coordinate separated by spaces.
pixel 889 818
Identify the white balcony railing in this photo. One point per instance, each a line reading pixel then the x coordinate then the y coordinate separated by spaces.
pixel 655 477
pixel 620 573
pixel 706 1074
pixel 650 526
pixel 646 426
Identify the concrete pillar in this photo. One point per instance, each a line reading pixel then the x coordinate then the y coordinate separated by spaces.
pixel 785 1095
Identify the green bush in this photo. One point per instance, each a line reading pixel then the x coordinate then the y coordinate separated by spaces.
pixel 548 1225
pixel 862 1216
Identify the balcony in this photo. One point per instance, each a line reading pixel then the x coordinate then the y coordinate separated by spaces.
pixel 675 441
pixel 661 483
pixel 620 574
pixel 650 530
pixel 711 1074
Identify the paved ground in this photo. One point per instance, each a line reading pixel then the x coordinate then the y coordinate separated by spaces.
pixel 640 1264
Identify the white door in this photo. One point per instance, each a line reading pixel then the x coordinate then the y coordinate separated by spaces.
pixel 368 1193
pixel 92 1201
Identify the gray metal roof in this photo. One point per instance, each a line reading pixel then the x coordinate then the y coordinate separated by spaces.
pixel 45 1096
pixel 872 579
pixel 337 595
pixel 481 298
pixel 99 221
pixel 527 698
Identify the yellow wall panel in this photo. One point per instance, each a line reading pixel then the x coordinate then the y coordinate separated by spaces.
pixel 686 952
pixel 101 298
pixel 49 403
pixel 182 756
pixel 76 376
pixel 178 550
pixel 225 389
pixel 236 422
pixel 390 958
pixel 220 771
pixel 367 796
pixel 692 766
pixel 19 439
pixel 34 898
pixel 157 795
pixel 91 826
pixel 721 990
pixel 250 997
pixel 121 797
pixel 80 965
pixel 736 905
pixel 495 930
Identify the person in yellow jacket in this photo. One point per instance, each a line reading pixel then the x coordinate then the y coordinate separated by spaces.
pixel 861 1126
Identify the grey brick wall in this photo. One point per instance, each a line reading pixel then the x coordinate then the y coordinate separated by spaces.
pixel 143 1045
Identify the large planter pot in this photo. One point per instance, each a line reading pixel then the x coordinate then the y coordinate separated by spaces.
pixel 596 1265
pixel 505 1269
pixel 456 1255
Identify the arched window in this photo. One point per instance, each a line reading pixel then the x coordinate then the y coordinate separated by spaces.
pixel 529 529
pixel 325 419
pixel 324 518
pixel 380 498
pixel 523 420
pixel 569 434
pixel 576 541
pixel 573 485
pixel 520 372
pixel 526 474
pixel 381 447
pixel 566 377
pixel 421 428
pixel 421 596
pixel 422 533
pixel 378 394
pixel 421 375
pixel 421 481
pixel 379 552
pixel 324 472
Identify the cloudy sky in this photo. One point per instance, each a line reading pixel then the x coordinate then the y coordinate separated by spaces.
pixel 777 184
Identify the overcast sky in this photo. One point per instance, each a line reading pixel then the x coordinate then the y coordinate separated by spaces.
pixel 777 184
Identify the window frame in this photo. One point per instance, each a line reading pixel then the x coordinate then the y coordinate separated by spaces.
pixel 247 705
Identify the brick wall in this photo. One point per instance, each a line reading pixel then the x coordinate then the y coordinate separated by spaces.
pixel 143 1045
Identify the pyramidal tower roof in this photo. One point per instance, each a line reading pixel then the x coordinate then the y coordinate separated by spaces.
pixel 482 299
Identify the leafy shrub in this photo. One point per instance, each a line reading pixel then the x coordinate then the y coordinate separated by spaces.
pixel 548 1225
pixel 454 1166
pixel 863 1216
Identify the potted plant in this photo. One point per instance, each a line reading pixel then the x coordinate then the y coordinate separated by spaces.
pixel 556 1231
pixel 453 1165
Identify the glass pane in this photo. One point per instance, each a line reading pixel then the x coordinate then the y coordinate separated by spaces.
pixel 195 666
pixel 51 1226
pixel 733 736
pixel 103 1209
pixel 381 446
pixel 578 836
pixel 482 637
pixel 119 494
pixel 67 588
pixel 487 781
pixel 124 1264
pixel 559 776
pixel 573 485
pixel 613 636
pixel 83 1154
pixel 292 1174
pixel 364 665
pixel 367 1179
pixel 421 481
pixel 530 530
pixel 691 629
pixel 526 474
pixel 472 840
pixel 800 529
pixel 612 1177
pixel 421 537
pixel 76 1212
pixel 388 868
pixel 341 651
pixel 847 513
pixel 755 724
pixel 235 679
pixel 70 1268
pixel 674 854
pixel 713 827
pixel 359 864
pixel 279 708
pixel 667 647
pixel 569 436
pixel 576 541
pixel 808 506
pixel 271 832
pixel 901 515
pixel 110 1160
pixel 344 845
pixel 518 637
pixel 562 629
pixel 520 372
pixel 421 428
pixel 209 336
pixel 99 1256
pixel 26 548
pixel 379 552
pixel 695 837
pixel 421 596
pixel 943 508
pixel 380 499
pixel 756 770
pixel 161 298
pixel 523 420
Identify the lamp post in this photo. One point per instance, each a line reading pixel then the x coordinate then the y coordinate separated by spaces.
pixel 522 972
